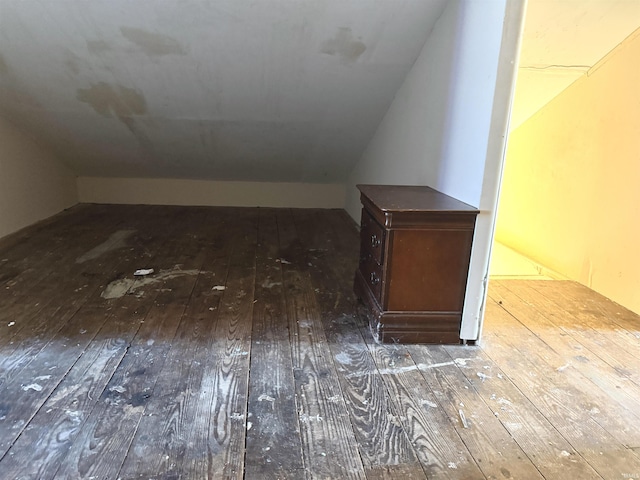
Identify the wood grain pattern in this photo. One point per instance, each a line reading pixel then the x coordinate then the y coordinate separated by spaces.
pixel 390 472
pixel 104 439
pixel 218 437
pixel 274 448
pixel 37 276
pixel 616 343
pixel 562 405
pixel 554 457
pixel 439 447
pixel 579 371
pixel 38 262
pixel 495 451
pixel 37 453
pixel 98 451
pixel 23 395
pixel 381 441
pixel 328 441
pixel 45 352
pixel 580 299
pixel 160 442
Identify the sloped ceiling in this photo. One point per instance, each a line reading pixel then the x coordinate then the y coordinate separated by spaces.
pixel 273 90
pixel 562 40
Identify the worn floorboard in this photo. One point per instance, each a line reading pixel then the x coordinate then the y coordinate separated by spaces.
pixel 274 448
pixel 330 259
pixel 245 355
pixel 567 407
pixel 328 441
pixel 609 395
pixel 495 451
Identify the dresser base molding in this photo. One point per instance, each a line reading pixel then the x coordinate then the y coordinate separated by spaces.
pixel 407 327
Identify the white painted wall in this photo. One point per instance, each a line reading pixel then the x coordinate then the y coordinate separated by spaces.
pixel 33 183
pixel 406 148
pixel 211 193
pixel 446 128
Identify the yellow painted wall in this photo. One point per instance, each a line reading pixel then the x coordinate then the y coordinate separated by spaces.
pixel 33 184
pixel 570 195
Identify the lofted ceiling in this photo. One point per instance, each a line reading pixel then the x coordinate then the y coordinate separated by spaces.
pixel 277 90
pixel 562 40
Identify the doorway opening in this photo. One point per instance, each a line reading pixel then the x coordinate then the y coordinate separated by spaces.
pixel 569 199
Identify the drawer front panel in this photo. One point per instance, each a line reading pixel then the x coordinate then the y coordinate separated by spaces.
pixel 372 238
pixel 372 274
pixel 428 270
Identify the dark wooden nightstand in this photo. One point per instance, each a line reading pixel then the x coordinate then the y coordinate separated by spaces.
pixel 415 246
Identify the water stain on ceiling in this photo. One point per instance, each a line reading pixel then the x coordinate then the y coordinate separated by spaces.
pixel 126 104
pixel 344 45
pixel 109 99
pixel 153 43
pixel 279 91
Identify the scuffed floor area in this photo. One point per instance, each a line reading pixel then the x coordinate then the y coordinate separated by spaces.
pixel 243 355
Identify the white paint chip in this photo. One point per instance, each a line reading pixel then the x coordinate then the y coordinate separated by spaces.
pixel 463 419
pixel 305 418
pixel 120 288
pixel 142 272
pixel 266 398
pixel 32 386
pixel 269 284
pixel 395 371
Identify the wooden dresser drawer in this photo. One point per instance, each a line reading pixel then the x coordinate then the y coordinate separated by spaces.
pixel 372 238
pixel 372 274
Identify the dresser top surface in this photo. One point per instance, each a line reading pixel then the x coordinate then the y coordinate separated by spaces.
pixel 401 198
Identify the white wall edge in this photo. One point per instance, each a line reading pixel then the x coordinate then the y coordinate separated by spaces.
pixel 477 280
pixel 146 191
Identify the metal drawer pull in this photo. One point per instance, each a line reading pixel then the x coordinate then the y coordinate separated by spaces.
pixel 375 241
pixel 374 278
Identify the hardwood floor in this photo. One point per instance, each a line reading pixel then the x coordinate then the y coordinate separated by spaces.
pixel 244 355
